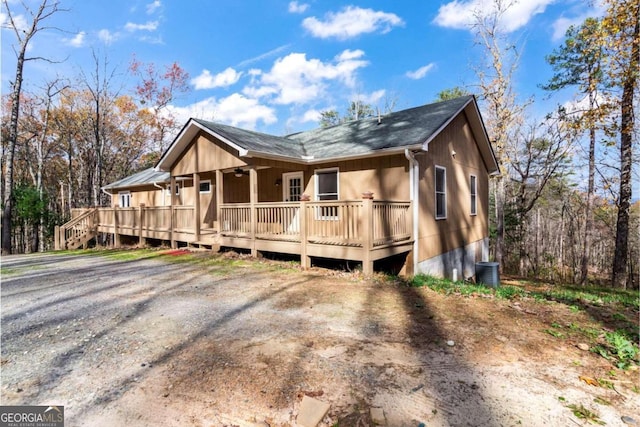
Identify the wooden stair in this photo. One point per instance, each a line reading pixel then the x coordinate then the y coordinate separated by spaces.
pixel 77 232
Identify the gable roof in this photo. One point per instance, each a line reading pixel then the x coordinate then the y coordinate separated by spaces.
pixel 146 177
pixel 413 128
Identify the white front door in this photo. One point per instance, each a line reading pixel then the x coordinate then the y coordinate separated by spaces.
pixel 292 186
pixel 291 192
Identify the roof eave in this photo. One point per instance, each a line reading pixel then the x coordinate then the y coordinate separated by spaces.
pixel 186 135
pixel 369 154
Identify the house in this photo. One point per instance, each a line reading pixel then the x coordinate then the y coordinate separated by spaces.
pixel 411 184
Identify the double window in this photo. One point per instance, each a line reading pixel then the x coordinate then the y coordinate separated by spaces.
pixel 441 192
pixel 124 199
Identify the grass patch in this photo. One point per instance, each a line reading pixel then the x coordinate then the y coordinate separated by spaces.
pixel 585 414
pixel 4 271
pixel 606 306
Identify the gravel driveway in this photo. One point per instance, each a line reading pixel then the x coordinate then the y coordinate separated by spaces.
pixel 151 342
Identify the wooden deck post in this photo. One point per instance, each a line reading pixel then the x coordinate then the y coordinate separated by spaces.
pixel 253 198
pixel 116 235
pixel 367 232
pixel 219 198
pixel 172 222
pixel 196 207
pixel 305 260
pixel 142 240
pixel 56 238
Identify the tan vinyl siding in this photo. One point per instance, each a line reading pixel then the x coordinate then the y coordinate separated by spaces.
pixel 210 153
pixel 147 195
pixel 460 227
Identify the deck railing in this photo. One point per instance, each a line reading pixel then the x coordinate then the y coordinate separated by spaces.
pixel 362 228
pixel 340 223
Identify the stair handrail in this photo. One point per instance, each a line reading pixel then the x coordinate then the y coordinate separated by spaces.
pixel 77 220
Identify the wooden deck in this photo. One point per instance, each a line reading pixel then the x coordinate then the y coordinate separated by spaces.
pixel 363 230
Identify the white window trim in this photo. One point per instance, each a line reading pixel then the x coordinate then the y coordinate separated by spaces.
pixel 178 186
pixel 121 197
pixel 473 194
pixel 319 210
pixel 435 188
pixel 205 181
pixel 326 170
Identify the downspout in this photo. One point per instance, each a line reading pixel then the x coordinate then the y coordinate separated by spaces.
pixel 413 197
pixel 164 197
pixel 108 194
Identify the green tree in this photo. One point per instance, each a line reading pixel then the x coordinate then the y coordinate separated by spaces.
pixel 451 93
pixel 621 25
pixel 23 36
pixel 578 63
pixel 355 111
pixel 30 213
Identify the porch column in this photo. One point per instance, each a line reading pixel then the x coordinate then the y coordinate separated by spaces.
pixel 305 260
pixel 116 235
pixel 142 241
pixel 219 199
pixel 367 232
pixel 172 203
pixel 253 199
pixel 196 207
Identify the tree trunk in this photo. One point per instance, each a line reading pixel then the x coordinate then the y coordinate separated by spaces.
pixel 619 273
pixel 500 196
pixel 7 212
pixel 588 217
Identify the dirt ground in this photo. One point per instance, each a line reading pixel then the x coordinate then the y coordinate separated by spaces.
pixel 148 342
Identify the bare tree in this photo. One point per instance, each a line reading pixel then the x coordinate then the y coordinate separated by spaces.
pixel 501 110
pixel 44 11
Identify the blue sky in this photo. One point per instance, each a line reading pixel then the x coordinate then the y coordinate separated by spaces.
pixel 272 65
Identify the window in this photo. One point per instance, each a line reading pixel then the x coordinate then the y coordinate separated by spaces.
pixel 124 199
pixel 177 189
pixel 473 189
pixel 205 186
pixel 327 184
pixel 327 189
pixel 441 192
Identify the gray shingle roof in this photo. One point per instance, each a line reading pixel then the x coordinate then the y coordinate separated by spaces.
pixel 145 177
pixel 395 130
pixel 255 141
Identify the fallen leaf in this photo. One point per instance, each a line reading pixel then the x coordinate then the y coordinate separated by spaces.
pixel 588 380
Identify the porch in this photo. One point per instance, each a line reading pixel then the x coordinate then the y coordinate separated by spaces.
pixel 361 230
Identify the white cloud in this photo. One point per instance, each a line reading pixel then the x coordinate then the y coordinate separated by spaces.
pixel 235 110
pixel 153 6
pixel 561 25
pixel 78 40
pixel 371 98
pixel 264 55
pixel 295 7
pixel 420 72
pixel 460 14
pixel 312 115
pixel 208 81
pixel 107 37
pixel 351 22
pixel 149 26
pixel 295 79
pixel 19 20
